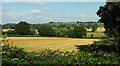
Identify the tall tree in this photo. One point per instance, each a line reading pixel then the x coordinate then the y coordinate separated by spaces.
pixel 110 15
pixel 22 28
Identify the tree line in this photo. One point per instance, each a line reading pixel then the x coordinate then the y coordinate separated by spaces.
pixel 76 30
pixel 46 30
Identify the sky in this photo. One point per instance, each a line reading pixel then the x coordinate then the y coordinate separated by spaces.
pixel 44 12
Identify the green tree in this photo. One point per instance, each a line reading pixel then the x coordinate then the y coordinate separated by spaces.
pixel 88 25
pixel 11 32
pixel 22 28
pixel 71 33
pixel 61 32
pixel 46 30
pixel 110 15
pixel 32 32
pixel 80 31
pixel 94 28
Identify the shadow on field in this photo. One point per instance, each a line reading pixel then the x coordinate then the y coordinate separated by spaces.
pixel 104 48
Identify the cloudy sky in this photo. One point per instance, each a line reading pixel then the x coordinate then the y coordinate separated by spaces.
pixel 44 12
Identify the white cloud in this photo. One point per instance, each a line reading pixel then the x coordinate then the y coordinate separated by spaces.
pixel 35 3
pixel 91 12
pixel 76 11
pixel 47 9
pixel 83 15
pixel 35 12
pixel 6 9
pixel 47 18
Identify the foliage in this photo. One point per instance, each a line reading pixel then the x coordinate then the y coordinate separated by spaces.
pixel 12 55
pixel 59 29
pixel 109 15
pixel 22 28
pixel 61 32
pixel 32 32
pixel 11 32
pixel 79 31
pixel 46 30
pixel 94 28
pixel 71 33
pixel 8 26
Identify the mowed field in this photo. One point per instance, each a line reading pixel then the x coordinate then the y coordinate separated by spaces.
pixel 54 43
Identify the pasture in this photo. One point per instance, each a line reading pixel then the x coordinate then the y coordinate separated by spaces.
pixel 54 43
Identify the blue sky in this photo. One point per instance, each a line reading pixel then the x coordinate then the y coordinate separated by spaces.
pixel 44 12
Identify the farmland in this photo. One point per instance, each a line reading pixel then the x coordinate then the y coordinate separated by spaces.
pixel 54 43
pixel 62 36
pixel 98 33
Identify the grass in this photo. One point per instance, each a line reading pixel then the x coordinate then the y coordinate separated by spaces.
pixel 54 43
pixel 96 34
pixel 99 29
pixel 5 30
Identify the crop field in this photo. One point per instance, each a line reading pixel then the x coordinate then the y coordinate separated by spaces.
pixel 54 43
pixel 96 34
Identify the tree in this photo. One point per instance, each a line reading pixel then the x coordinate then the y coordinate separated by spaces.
pixel 46 30
pixel 88 25
pixel 9 26
pixel 71 33
pixel 11 32
pixel 22 28
pixel 80 31
pixel 61 32
pixel 110 15
pixel 94 28
pixel 32 32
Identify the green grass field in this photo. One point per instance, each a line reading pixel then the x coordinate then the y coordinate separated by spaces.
pixel 96 34
pixel 54 43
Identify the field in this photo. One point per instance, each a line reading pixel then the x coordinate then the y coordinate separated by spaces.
pixel 96 34
pixel 39 43
pixel 64 44
pixel 99 29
